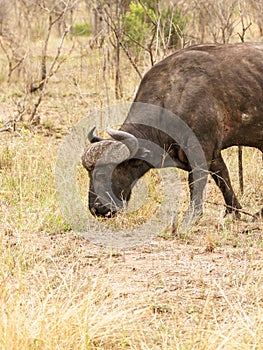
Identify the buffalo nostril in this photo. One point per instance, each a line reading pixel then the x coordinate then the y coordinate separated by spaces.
pixel 102 211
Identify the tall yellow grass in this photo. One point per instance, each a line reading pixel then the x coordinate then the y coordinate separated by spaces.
pixel 200 290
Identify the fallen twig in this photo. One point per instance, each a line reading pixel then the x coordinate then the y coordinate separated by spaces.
pixel 230 207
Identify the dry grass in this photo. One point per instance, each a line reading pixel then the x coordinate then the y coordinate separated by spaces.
pixel 202 290
pixel 59 291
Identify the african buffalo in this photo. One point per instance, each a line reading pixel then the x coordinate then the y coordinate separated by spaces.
pixel 214 90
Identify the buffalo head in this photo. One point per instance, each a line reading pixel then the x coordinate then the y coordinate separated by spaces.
pixel 114 165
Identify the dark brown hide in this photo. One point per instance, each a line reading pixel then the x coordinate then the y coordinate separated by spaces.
pixel 218 91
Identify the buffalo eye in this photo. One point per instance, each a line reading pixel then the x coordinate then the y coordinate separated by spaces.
pixel 99 175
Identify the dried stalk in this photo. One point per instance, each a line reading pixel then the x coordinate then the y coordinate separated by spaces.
pixel 51 72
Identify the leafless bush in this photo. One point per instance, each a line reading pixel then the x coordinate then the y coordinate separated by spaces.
pixel 15 54
pixel 26 23
pixel 215 19
pixel 257 12
pixel 18 50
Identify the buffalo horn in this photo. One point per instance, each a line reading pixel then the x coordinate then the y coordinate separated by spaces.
pixel 129 140
pixel 93 138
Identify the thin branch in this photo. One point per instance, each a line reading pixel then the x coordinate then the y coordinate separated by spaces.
pixel 11 66
pixel 147 12
pixel 131 59
pixel 21 110
pixel 241 211
pixel 244 29
pixel 51 23
pixel 49 74
pixel 115 31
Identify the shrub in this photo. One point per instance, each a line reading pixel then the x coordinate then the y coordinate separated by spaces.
pixel 82 29
pixel 173 25
pixel 137 26
pixel 140 22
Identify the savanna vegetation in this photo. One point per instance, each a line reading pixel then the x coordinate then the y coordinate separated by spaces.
pixel 59 62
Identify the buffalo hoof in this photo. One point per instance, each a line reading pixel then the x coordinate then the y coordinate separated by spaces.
pixel 191 219
pixel 235 213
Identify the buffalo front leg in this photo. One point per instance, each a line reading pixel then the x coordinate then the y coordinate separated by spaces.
pixel 220 174
pixel 197 179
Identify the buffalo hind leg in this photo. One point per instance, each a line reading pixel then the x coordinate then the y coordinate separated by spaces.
pixel 220 174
